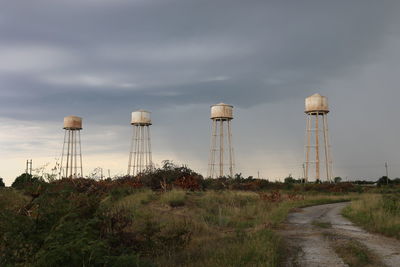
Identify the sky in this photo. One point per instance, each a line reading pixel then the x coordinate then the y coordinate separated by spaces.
pixel 103 59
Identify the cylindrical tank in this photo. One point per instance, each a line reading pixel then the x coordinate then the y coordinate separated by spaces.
pixel 141 117
pixel 222 111
pixel 72 123
pixel 316 103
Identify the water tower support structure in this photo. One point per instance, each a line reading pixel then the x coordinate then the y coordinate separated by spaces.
pixel 140 158
pixel 317 129
pixel 71 157
pixel 221 142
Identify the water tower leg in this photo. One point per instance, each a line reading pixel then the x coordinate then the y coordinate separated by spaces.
pixel 317 172
pixel 62 156
pixel 326 147
pixel 211 160
pixel 68 151
pixel 149 144
pixel 144 151
pixel 230 148
pixel 221 148
pixel 72 155
pixel 136 164
pixel 308 145
pixel 130 153
pixel 76 155
pixel 80 153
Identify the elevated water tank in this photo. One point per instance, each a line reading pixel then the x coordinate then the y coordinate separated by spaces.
pixel 141 117
pixel 222 111
pixel 316 103
pixel 72 123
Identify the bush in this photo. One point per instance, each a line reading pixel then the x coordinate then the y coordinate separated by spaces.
pixel 169 175
pixel 26 180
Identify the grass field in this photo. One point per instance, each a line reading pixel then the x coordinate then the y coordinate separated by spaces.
pixel 173 228
pixel 377 213
pixel 227 228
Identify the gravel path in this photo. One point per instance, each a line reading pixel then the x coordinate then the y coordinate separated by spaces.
pixel 309 246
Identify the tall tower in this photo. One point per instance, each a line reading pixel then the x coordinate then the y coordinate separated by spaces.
pixel 221 141
pixel 316 109
pixel 140 153
pixel 71 157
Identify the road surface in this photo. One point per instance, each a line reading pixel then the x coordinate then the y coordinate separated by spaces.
pixel 311 245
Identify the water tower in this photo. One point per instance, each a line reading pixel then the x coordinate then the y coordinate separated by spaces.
pixel 221 142
pixel 316 109
pixel 140 153
pixel 71 157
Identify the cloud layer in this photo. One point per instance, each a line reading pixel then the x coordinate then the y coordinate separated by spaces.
pixel 102 59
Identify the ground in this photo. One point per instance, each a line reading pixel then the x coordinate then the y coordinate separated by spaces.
pixel 321 236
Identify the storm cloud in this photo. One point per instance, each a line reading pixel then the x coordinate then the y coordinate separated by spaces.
pixel 102 59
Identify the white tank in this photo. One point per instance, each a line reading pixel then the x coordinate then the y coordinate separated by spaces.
pixel 222 111
pixel 72 123
pixel 141 117
pixel 317 103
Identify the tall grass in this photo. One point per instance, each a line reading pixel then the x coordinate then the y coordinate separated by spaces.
pixel 377 213
pixel 213 228
pixel 182 228
pixel 174 198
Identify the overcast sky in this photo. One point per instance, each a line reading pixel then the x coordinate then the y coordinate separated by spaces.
pixel 103 59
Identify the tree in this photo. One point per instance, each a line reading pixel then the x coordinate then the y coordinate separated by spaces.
pixel 24 179
pixel 396 181
pixel 2 183
pixel 337 180
pixel 290 180
pixel 384 180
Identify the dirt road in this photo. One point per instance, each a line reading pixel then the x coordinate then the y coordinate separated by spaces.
pixel 310 234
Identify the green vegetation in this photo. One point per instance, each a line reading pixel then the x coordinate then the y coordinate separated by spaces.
pixel 377 213
pixel 117 223
pixel 174 198
pixel 170 217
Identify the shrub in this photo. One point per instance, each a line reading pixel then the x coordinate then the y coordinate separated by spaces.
pixel 170 174
pixel 26 180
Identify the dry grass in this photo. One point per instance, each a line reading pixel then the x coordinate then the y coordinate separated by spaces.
pixel 212 228
pixel 355 254
pixel 227 228
pixel 376 213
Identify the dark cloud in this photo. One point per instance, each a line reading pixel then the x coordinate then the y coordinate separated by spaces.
pixel 103 58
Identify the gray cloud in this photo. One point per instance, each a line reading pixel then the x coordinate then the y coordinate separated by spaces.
pixel 102 59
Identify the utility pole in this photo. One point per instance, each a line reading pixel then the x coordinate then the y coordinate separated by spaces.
pixel 387 173
pixel 258 174
pixel 304 173
pixel 28 169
